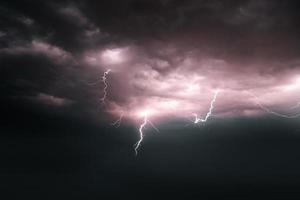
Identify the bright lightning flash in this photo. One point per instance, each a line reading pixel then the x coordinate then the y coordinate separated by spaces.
pixel 146 121
pixel 197 120
pixel 104 77
pixel 142 126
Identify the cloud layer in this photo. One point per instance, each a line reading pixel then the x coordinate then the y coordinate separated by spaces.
pixel 167 58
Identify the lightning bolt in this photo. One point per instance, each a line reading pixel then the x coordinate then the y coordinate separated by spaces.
pixel 118 122
pixel 197 120
pixel 142 126
pixel 153 126
pixel 271 111
pixel 296 106
pixel 104 77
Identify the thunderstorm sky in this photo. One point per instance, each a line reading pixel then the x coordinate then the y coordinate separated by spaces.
pixel 165 63
pixel 166 57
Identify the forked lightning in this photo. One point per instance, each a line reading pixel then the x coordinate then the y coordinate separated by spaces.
pixel 104 77
pixel 197 120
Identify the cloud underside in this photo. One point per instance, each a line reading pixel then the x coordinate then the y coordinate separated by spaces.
pixel 166 58
pixel 179 84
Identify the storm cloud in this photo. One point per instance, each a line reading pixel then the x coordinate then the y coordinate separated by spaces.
pixel 166 57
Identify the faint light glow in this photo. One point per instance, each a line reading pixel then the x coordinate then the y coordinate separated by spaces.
pixel 193 87
pixel 268 110
pixel 294 86
pixel 296 106
pixel 113 56
pixel 145 112
pixel 118 122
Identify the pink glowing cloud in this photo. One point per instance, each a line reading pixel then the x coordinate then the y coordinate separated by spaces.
pixel 166 61
pixel 171 85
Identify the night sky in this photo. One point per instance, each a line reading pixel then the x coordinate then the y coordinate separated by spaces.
pixel 70 69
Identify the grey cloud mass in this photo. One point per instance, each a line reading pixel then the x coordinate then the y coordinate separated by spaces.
pixel 169 56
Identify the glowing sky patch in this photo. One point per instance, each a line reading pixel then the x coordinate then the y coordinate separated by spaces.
pixel 112 56
pixel 187 88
